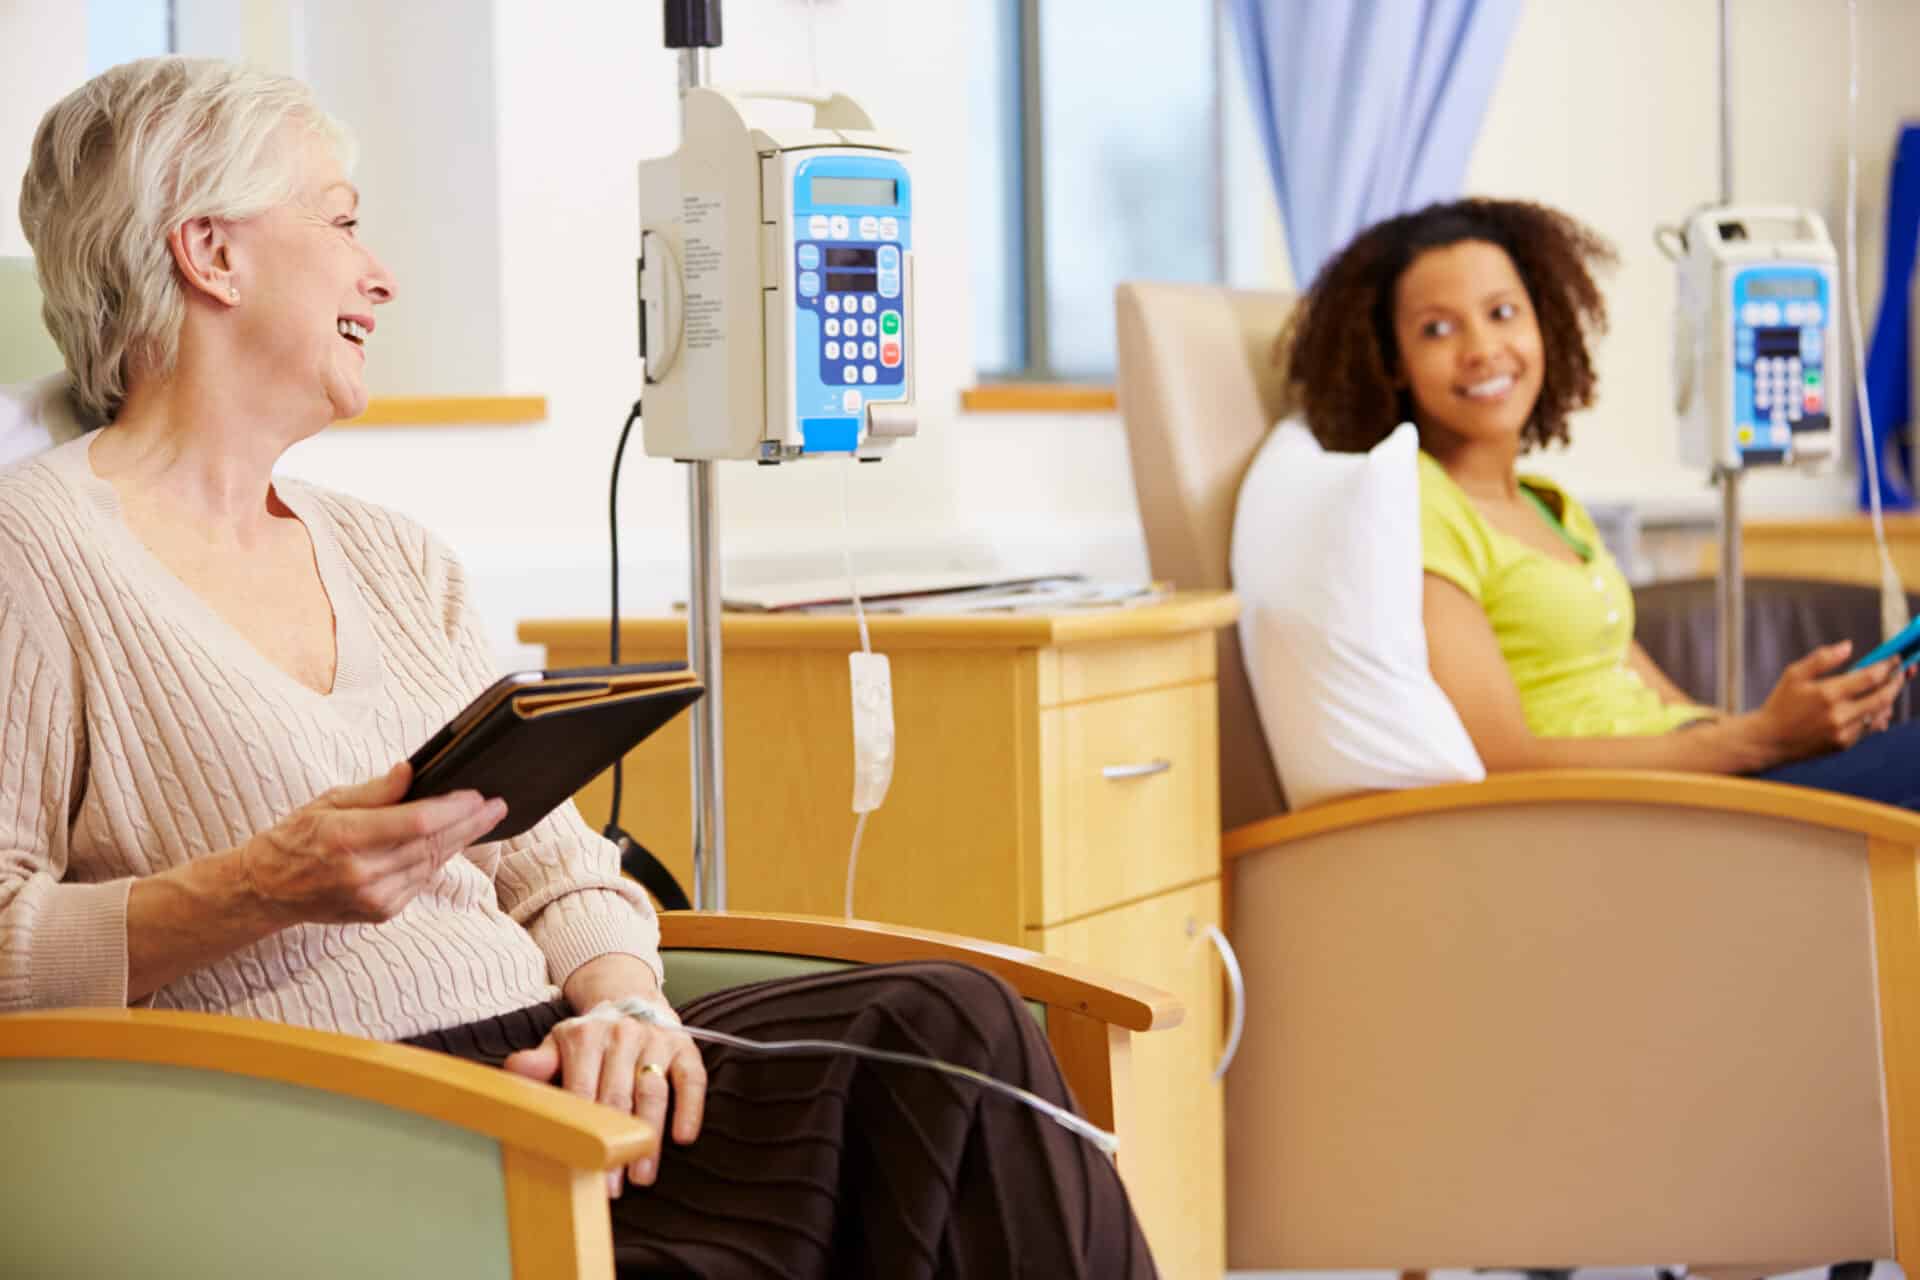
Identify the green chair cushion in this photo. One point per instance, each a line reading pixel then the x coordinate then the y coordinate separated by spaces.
pixel 137 1169
pixel 694 972
pixel 26 348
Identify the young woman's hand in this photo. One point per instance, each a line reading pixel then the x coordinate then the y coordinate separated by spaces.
pixel 1811 710
pixel 356 855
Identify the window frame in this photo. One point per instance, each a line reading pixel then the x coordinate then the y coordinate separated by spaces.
pixel 1053 387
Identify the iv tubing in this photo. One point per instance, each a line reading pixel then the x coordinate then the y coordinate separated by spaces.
pixel 1893 603
pixel 866 646
pixel 1107 1142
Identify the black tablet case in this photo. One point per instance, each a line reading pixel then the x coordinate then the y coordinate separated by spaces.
pixel 505 744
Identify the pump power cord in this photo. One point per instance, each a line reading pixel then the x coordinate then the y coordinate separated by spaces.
pixel 635 858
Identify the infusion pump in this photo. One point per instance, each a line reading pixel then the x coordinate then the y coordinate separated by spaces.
pixel 776 285
pixel 1753 337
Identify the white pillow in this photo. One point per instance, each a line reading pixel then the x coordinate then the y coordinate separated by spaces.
pixel 35 416
pixel 1326 561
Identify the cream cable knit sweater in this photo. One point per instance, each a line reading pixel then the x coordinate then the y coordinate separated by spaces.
pixel 138 730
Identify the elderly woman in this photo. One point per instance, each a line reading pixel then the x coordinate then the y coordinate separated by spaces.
pixel 206 674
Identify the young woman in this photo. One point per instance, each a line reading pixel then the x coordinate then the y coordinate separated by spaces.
pixel 1472 320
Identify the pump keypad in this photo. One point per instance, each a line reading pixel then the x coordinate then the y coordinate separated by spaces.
pixel 1780 314
pixel 861 309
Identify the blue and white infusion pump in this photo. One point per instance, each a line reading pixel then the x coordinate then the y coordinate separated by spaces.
pixel 776 285
pixel 851 229
pixel 1753 337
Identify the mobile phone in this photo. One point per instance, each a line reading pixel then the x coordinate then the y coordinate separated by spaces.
pixel 1905 646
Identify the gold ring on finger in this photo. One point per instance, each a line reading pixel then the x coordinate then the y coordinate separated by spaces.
pixel 650 1069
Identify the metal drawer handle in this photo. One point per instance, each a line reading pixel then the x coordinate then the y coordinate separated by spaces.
pixel 1237 982
pixel 1115 772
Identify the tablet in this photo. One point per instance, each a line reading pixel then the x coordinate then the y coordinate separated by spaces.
pixel 534 738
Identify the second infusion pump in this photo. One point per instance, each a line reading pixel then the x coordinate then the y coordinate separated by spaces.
pixel 1753 337
pixel 776 285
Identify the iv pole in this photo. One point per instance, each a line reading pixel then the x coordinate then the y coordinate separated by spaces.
pixel 1729 592
pixel 693 27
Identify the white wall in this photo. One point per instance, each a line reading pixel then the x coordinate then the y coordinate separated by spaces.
pixel 585 91
pixel 45 59
pixel 1606 110
pixel 420 99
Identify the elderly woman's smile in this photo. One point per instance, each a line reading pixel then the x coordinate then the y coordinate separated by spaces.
pixel 303 289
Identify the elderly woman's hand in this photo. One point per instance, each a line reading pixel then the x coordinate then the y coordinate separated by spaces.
pixel 623 1062
pixel 358 855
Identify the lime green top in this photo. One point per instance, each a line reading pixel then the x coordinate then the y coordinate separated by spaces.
pixel 1564 629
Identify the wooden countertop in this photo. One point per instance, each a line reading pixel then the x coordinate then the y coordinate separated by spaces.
pixel 1901 526
pixel 1838 548
pixel 1183 611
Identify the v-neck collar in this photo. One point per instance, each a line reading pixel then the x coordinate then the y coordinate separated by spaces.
pixel 1535 486
pixel 356 664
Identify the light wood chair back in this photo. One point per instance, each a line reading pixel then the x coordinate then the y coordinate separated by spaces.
pixel 1199 391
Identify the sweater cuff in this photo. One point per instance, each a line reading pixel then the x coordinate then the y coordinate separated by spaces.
pixel 590 923
pixel 79 949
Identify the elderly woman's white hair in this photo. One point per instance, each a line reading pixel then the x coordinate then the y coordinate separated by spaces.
pixel 121 161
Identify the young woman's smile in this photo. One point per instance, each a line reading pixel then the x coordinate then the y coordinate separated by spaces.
pixel 1470 349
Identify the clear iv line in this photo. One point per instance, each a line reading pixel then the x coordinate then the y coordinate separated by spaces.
pixel 866 646
pixel 1893 596
pixel 853 859
pixel 846 553
pixel 1107 1142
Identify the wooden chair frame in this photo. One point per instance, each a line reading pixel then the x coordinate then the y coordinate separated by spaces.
pixel 556 1148
pixel 1338 1037
pixel 1887 838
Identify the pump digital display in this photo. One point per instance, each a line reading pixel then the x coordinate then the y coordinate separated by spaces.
pixel 850 282
pixel 1784 287
pixel 852 257
pixel 875 191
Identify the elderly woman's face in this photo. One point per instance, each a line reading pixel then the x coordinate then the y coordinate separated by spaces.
pixel 308 286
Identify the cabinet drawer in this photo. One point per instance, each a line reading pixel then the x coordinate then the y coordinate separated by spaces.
pixel 1130 788
pixel 1082 672
pixel 1173 1159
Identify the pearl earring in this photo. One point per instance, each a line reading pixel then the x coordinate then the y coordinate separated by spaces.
pixel 233 294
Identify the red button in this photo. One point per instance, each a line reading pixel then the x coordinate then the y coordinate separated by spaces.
pixel 889 354
pixel 1813 402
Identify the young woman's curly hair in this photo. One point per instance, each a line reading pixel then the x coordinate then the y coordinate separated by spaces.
pixel 1339 350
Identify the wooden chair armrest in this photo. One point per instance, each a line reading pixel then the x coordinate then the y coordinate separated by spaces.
pixel 517 1112
pixel 1054 982
pixel 1630 787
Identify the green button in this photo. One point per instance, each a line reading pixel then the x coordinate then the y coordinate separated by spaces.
pixel 890 322
pixel 1813 379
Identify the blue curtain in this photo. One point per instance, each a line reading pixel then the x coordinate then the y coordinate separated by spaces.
pixel 1367 108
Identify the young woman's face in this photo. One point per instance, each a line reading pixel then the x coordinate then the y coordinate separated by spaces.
pixel 1470 349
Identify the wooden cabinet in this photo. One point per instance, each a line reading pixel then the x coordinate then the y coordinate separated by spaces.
pixel 1056 785
pixel 1175 1156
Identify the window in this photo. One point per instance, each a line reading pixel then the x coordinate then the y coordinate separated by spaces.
pixel 1099 156
pixel 121 30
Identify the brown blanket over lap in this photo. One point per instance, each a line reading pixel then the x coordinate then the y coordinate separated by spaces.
pixel 831 1166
